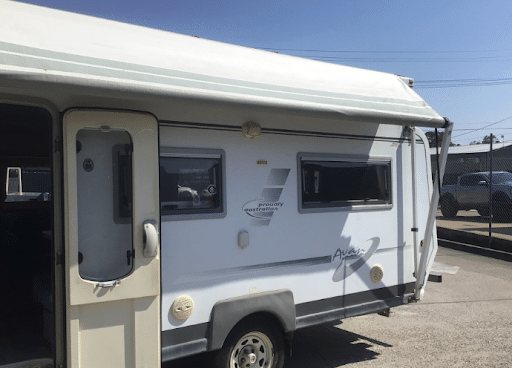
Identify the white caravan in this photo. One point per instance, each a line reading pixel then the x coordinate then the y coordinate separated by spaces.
pixel 203 196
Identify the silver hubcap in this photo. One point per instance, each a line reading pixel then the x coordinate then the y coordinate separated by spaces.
pixel 253 350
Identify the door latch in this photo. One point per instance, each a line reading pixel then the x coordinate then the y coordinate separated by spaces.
pixel 108 284
pixel 130 254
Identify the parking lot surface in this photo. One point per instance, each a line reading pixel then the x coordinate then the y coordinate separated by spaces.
pixel 465 321
pixel 472 222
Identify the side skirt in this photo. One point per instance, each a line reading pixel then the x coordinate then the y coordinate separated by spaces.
pixel 185 341
pixel 353 311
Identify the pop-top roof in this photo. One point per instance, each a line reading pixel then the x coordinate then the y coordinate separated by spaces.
pixel 51 45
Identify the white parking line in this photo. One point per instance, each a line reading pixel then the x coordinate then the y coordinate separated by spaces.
pixel 438 267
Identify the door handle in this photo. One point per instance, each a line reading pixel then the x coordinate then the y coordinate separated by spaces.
pixel 151 238
pixel 108 284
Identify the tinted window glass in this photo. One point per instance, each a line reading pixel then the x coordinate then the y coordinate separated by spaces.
pixel 190 185
pixel 471 180
pixel 104 204
pixel 343 183
pixel 500 178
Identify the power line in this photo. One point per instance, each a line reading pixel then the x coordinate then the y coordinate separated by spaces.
pixel 413 60
pixel 484 127
pixel 378 51
pixel 452 83
pixel 426 84
pixel 459 130
pixel 341 55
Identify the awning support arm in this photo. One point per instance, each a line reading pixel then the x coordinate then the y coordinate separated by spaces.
pixel 430 248
pixel 414 199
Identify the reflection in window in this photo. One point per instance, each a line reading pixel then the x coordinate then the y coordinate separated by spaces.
pixel 345 183
pixel 501 177
pixel 190 185
pixel 28 184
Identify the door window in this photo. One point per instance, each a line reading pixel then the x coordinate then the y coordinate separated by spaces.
pixel 104 185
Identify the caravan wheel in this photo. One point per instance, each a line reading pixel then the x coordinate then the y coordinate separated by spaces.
pixel 253 343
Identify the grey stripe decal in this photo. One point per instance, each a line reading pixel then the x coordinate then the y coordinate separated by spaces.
pixel 111 64
pixel 278 177
pixel 271 194
pixel 258 267
pixel 27 57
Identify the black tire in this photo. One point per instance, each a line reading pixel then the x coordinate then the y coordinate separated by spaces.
pixel 501 208
pixel 253 343
pixel 483 212
pixel 449 207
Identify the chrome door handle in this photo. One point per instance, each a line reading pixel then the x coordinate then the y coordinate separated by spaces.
pixel 151 238
pixel 108 284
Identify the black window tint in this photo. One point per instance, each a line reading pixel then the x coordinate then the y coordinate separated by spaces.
pixel 190 185
pixel 343 183
pixel 465 181
pixel 471 180
pixel 36 180
pixel 122 175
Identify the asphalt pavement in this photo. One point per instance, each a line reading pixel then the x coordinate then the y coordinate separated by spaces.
pixel 465 321
pixel 471 222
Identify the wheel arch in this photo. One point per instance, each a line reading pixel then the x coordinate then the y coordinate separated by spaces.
pixel 447 195
pixel 276 306
pixel 499 195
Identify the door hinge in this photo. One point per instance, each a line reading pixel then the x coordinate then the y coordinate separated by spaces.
pixel 59 259
pixel 130 254
pixel 58 145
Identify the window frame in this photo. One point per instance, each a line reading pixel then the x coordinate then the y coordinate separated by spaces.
pixel 200 153
pixel 343 206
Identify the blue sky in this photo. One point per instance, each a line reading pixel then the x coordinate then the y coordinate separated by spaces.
pixel 469 42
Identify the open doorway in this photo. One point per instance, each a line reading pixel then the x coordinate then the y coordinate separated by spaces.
pixel 27 310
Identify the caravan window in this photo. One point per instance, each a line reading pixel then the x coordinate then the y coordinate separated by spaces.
pixel 344 183
pixel 191 183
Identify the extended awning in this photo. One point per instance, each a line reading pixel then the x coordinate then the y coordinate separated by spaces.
pixel 77 50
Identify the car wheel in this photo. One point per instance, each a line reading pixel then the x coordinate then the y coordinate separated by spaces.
pixel 483 212
pixel 449 207
pixel 502 209
pixel 253 343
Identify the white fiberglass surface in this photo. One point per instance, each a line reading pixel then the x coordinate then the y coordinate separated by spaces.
pixel 302 252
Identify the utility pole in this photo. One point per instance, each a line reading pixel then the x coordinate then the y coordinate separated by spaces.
pixel 490 195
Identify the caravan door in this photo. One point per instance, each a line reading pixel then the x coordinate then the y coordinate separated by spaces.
pixel 112 239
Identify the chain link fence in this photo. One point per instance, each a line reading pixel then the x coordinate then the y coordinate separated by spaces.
pixel 476 194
